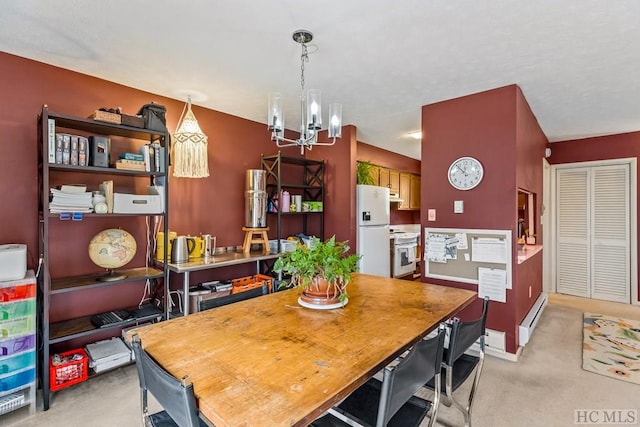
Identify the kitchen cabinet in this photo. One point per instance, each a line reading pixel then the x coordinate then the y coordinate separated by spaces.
pixel 414 193
pixel 405 190
pixel 63 242
pixel 298 176
pixel 383 177
pixel 394 181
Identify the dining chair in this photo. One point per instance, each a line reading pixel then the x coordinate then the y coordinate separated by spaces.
pixel 230 299
pixel 391 402
pixel 174 395
pixel 457 365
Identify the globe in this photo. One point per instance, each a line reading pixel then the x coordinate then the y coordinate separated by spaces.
pixel 111 249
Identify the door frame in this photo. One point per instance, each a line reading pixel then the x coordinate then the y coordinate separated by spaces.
pixel 549 236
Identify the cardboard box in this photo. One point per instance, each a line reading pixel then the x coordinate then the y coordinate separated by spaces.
pixel 137 203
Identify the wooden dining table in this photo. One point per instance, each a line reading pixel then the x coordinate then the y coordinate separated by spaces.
pixel 268 361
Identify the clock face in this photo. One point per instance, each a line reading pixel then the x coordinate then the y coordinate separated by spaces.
pixel 465 173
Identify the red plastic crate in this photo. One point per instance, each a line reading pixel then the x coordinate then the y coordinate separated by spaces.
pixel 245 283
pixel 69 373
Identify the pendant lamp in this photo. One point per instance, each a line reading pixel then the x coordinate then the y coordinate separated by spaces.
pixel 190 147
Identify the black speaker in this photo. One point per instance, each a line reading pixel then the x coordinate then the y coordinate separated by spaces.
pixel 100 149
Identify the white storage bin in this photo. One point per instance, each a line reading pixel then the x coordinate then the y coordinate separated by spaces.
pixel 285 245
pixel 137 203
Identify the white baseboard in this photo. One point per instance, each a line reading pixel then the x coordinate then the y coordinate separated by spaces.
pixel 525 330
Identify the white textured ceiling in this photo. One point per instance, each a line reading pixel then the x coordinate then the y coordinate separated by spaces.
pixel 577 61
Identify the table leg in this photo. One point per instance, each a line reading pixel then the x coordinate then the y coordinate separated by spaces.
pixel 167 298
pixel 186 293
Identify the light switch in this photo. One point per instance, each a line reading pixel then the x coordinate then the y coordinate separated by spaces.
pixel 458 206
pixel 431 215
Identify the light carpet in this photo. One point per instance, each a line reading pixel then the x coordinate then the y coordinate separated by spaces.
pixel 611 347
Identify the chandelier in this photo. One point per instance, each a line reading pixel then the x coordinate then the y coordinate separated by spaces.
pixel 310 110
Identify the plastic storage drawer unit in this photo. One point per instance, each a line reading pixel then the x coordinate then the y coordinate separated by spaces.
pixel 15 363
pixel 12 328
pixel 17 309
pixel 17 380
pixel 13 293
pixel 16 345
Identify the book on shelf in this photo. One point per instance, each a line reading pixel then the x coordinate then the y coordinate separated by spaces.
pixel 58 153
pixel 73 156
pixel 107 189
pixel 83 151
pixel 66 149
pixel 149 157
pixel 132 156
pixel 51 123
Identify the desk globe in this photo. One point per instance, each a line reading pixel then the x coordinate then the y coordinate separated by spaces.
pixel 111 249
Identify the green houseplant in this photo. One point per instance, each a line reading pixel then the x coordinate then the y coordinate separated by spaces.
pixel 321 270
pixel 363 173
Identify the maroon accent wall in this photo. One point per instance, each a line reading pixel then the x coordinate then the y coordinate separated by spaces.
pixel 625 145
pixel 213 205
pixel 530 145
pixel 340 185
pixel 381 157
pixel 498 129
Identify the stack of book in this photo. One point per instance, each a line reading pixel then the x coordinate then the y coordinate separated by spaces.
pixel 70 198
pixel 131 161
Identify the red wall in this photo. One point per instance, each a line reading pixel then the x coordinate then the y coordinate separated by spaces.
pixel 530 144
pixel 498 128
pixel 626 145
pixel 213 205
pixel 381 157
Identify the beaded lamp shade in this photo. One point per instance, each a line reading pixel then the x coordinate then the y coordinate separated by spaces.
pixel 190 147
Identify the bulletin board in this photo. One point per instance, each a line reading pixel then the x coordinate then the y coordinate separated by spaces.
pixel 464 252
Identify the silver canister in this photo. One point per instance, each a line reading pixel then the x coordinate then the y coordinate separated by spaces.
pixel 255 199
pixel 209 244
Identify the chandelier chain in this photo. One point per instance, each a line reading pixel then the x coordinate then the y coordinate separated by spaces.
pixel 303 58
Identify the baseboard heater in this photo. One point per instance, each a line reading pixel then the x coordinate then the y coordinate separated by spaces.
pixel 525 330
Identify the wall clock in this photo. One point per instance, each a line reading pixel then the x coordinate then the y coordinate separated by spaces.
pixel 465 173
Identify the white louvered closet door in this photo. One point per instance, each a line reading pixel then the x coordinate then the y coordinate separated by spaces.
pixel 593 243
pixel 572 200
pixel 610 234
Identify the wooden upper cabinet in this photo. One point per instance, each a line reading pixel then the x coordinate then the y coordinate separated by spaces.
pixel 405 190
pixel 394 181
pixel 384 177
pixel 414 195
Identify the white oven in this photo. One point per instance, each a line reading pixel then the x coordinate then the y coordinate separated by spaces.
pixel 404 254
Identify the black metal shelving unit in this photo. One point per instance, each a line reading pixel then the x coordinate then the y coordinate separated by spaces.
pixel 299 174
pixel 61 332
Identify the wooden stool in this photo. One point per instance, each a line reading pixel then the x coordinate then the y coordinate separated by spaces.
pixel 255 235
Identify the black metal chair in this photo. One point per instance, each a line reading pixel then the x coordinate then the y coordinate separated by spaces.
pixel 457 366
pixel 392 402
pixel 230 299
pixel 176 396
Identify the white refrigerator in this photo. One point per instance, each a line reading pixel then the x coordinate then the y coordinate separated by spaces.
pixel 373 230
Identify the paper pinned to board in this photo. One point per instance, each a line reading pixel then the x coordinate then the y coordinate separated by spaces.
pixel 492 283
pixel 489 249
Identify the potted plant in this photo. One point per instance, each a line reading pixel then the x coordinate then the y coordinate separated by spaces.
pixel 363 173
pixel 321 270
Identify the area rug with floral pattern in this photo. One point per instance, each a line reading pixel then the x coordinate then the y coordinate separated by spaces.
pixel 611 347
